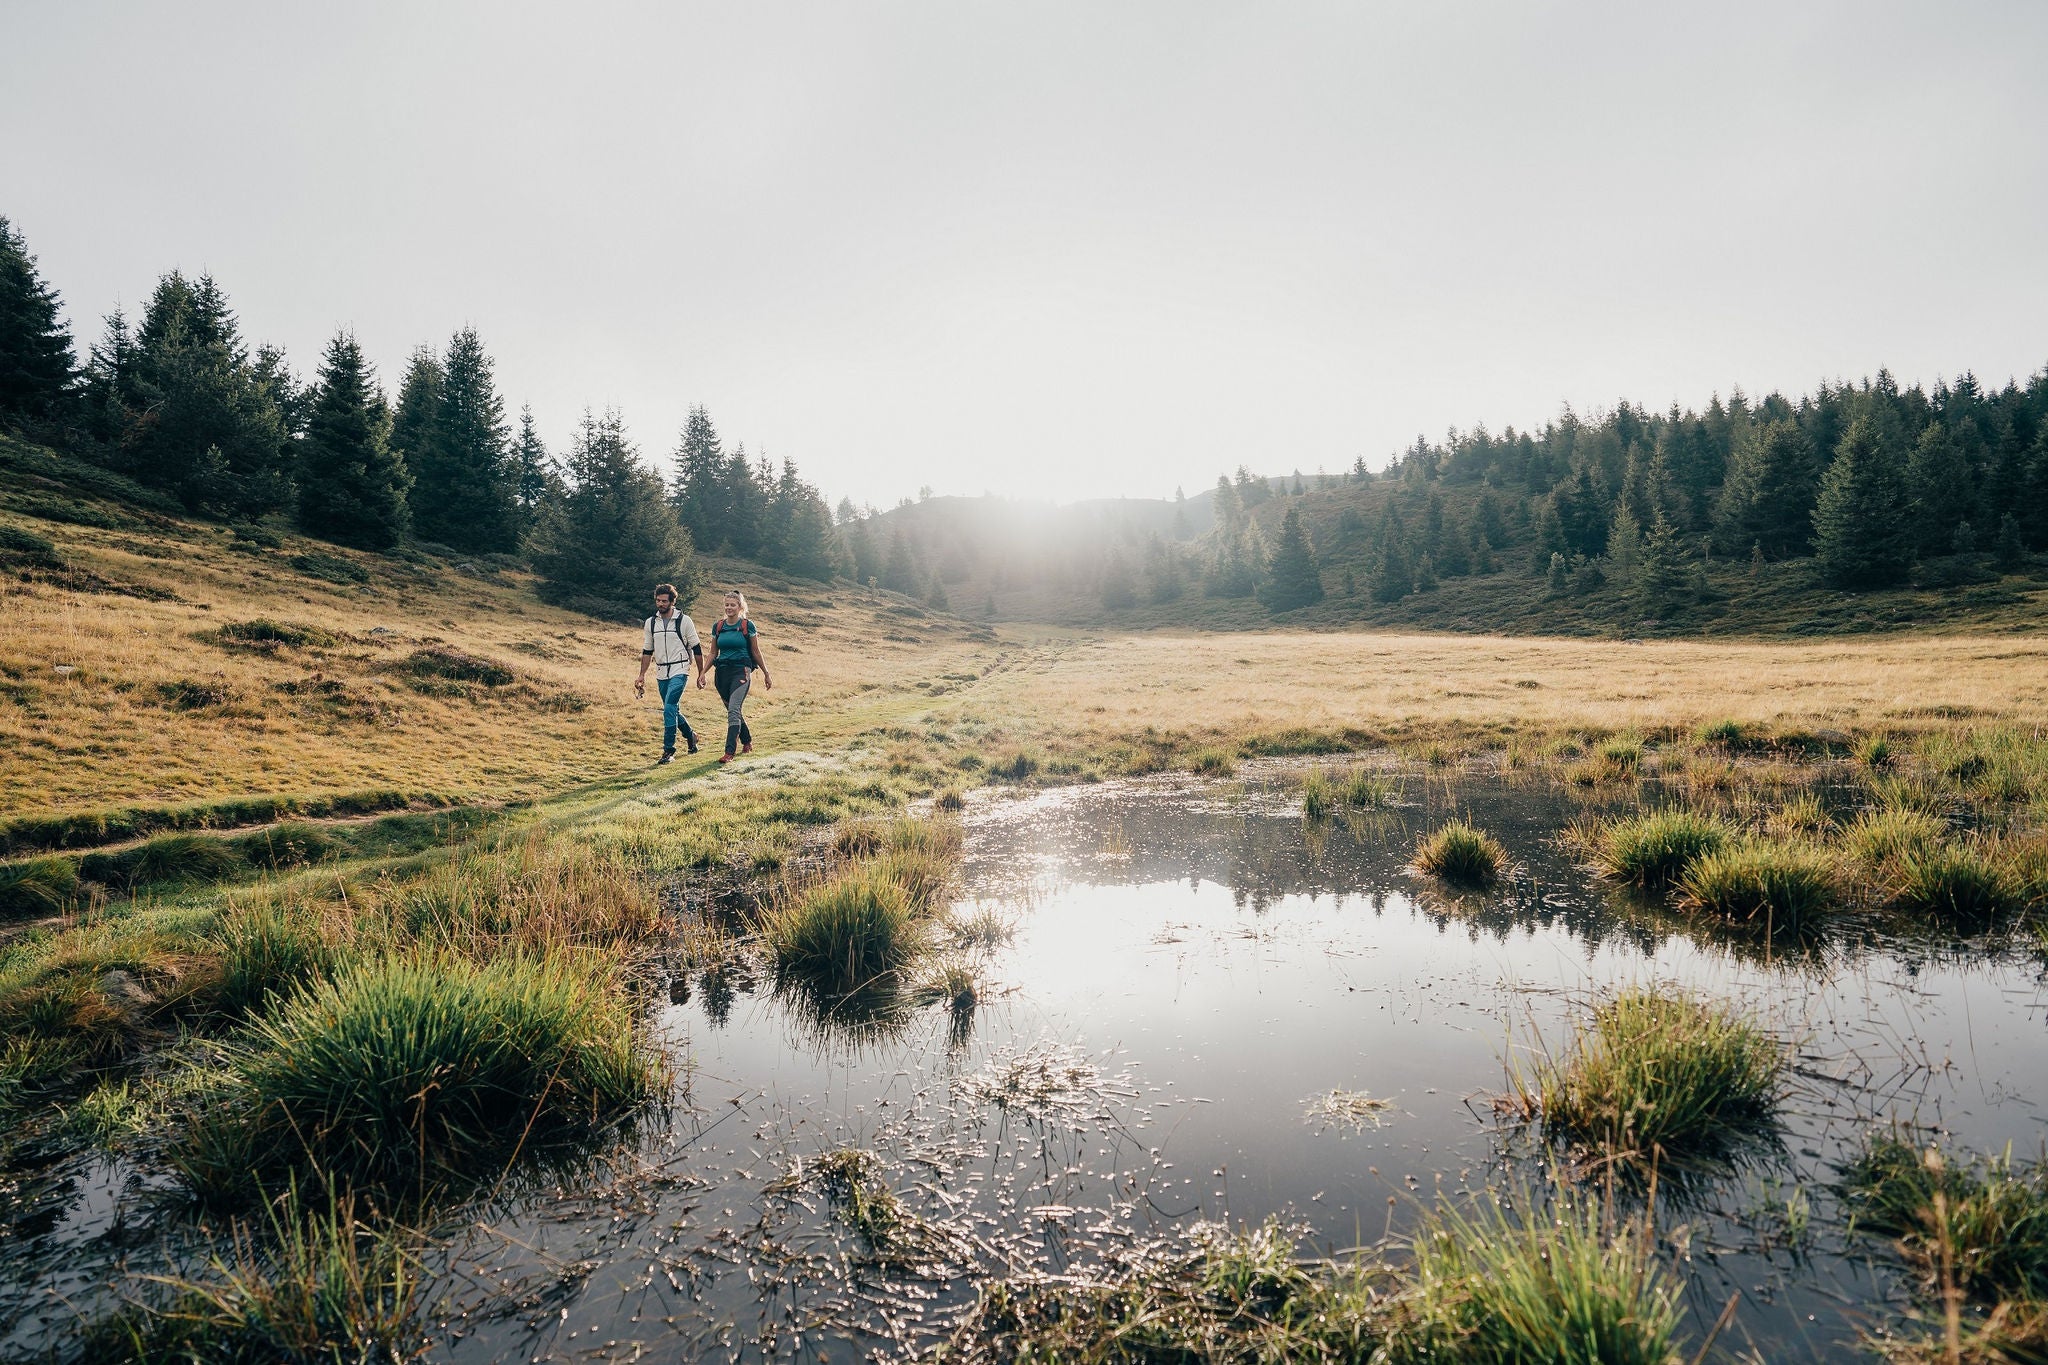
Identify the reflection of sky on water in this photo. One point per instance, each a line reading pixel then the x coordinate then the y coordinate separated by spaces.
pixel 1220 971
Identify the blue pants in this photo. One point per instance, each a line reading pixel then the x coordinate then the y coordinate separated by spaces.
pixel 672 718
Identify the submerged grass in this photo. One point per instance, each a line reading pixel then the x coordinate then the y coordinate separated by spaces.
pixel 1656 1071
pixel 416 1073
pixel 296 1287
pixel 1981 1226
pixel 1462 855
pixel 1486 1287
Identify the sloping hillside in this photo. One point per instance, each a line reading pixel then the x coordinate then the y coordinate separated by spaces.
pixel 149 660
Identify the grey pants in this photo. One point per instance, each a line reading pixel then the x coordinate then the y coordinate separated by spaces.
pixel 733 682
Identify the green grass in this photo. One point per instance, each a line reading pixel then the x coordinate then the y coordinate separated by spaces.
pixel 38 887
pixel 851 932
pixel 1982 1225
pixel 1461 855
pixel 1879 839
pixel 1656 1071
pixel 1780 885
pixel 1483 1287
pixel 1570 1288
pixel 1213 762
pixel 297 1287
pixel 293 844
pixel 1953 882
pixel 1318 794
pixel 269 948
pixel 1651 851
pixel 416 1073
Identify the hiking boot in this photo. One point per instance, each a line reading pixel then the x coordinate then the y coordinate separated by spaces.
pixel 668 756
pixel 724 759
pixel 693 746
pixel 746 748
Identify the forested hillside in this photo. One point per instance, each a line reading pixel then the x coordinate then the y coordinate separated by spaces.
pixel 1855 506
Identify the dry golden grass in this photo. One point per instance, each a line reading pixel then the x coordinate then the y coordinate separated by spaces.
pixel 160 709
pixel 1398 686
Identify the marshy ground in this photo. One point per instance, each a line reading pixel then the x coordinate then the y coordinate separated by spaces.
pixel 1198 1007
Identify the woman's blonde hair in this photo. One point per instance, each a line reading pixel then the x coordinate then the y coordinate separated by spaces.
pixel 735 592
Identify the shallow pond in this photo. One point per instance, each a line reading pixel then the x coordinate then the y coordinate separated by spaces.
pixel 1190 970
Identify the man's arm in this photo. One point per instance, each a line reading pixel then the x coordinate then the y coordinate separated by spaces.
pixel 646 658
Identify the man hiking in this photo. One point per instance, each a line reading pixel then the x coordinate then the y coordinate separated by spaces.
pixel 669 642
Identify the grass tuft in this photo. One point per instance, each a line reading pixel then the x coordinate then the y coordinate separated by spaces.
pixel 322 1287
pixel 1981 1225
pixel 1878 840
pixel 1657 1070
pixel 850 932
pixel 38 887
pixel 1952 881
pixel 416 1073
pixel 1213 762
pixel 1780 885
pixel 1462 855
pixel 1651 851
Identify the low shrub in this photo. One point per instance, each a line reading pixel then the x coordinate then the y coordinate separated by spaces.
pixel 1657 1070
pixel 167 860
pixel 452 665
pixel 1778 884
pixel 27 549
pixel 330 568
pixel 288 634
pixel 1462 855
pixel 38 887
pixel 416 1073
pixel 1651 851
pixel 1017 766
pixel 195 694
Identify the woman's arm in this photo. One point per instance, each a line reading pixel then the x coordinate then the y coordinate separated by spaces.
pixel 754 648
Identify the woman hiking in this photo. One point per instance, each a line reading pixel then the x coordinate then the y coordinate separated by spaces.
pixel 736 653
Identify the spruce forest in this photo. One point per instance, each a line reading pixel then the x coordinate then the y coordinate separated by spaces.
pixel 1752 513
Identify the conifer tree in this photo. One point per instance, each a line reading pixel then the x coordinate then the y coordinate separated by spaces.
pixel 419 406
pixel 1293 578
pixel 112 391
pixel 935 594
pixel 1119 586
pixel 1425 573
pixel 207 425
pixel 352 487
pixel 902 572
pixel 602 545
pixel 700 465
pixel 1939 480
pixel 466 490
pixel 538 479
pixel 1664 569
pixel 1861 535
pixel 2008 553
pixel 1557 579
pixel 1767 499
pixel 1624 545
pixel 37 365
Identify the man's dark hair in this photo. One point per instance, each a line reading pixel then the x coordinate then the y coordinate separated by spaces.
pixel 668 588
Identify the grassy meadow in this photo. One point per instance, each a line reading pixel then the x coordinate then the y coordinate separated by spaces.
pixel 291 831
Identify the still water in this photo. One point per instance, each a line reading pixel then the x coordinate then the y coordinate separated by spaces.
pixel 1196 967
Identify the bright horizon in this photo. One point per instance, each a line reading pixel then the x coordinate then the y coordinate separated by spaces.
pixel 1070 251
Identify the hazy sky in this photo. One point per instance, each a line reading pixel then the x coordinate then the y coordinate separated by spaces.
pixel 1054 249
